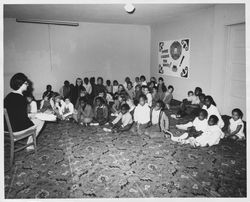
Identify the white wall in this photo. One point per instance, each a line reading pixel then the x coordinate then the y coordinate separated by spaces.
pixel 197 27
pixel 92 49
pixel 207 29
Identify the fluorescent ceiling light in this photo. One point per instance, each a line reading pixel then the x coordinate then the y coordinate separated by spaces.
pixel 49 22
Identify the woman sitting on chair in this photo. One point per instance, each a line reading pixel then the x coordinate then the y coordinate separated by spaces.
pixel 16 106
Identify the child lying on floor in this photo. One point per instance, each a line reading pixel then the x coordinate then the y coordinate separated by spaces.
pixel 236 126
pixel 195 128
pixel 210 137
pixel 159 121
pixel 123 122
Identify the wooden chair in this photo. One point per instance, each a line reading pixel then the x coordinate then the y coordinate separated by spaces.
pixel 16 136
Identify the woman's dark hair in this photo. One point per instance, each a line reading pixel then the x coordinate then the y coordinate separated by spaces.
pixel 198 89
pixel 66 83
pixel 100 78
pixel 210 99
pixel 115 81
pixel 92 80
pixel 125 106
pixel 238 111
pixel 204 112
pixel 142 77
pixel 49 86
pixel 80 80
pixel 162 104
pixel 86 80
pixel 18 80
pixel 214 118
pixel 143 96
pixel 170 86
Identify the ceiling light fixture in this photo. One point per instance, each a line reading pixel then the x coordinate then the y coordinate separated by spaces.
pixel 129 8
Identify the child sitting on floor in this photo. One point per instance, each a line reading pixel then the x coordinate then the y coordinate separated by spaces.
pixel 236 126
pixel 58 106
pixel 120 99
pixel 109 87
pixel 195 128
pixel 155 96
pixel 168 96
pixel 141 115
pixel 123 121
pixel 84 113
pixel 100 112
pixel 137 82
pixel 138 93
pixel 130 89
pixel 159 121
pixel 149 96
pixel 210 137
pixel 67 110
pixel 115 86
pixel 46 105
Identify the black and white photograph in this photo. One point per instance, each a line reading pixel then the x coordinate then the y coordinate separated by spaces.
pixel 134 100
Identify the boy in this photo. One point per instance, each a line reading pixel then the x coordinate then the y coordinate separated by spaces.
pixel 168 96
pixel 84 113
pixel 130 90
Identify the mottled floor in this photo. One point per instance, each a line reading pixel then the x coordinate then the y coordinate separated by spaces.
pixel 77 162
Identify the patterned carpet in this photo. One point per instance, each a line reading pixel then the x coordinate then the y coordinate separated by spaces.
pixel 77 162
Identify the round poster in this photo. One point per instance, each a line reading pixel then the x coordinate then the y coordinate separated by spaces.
pixel 175 50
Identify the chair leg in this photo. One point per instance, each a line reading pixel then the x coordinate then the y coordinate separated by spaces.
pixel 11 153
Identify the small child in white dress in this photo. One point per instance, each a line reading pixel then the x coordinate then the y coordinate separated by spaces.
pixel 210 137
pixel 236 126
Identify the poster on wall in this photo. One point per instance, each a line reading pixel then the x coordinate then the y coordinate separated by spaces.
pixel 174 58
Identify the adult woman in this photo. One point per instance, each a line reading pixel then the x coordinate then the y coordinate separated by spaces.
pixel 16 106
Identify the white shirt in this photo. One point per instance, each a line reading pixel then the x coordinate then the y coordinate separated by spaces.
pixel 149 97
pixel 33 107
pixel 200 125
pixel 213 110
pixel 144 83
pixel 210 137
pixel 126 119
pixel 195 100
pixel 155 116
pixel 88 88
pixel 233 125
pixel 115 89
pixel 68 108
pixel 142 114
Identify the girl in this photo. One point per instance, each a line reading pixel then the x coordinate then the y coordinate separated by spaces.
pixel 58 106
pixel 84 113
pixel 67 110
pixel 195 128
pixel 116 108
pixel 159 121
pixel 138 93
pixel 168 96
pixel 127 80
pixel 236 126
pixel 151 85
pixel 210 137
pixel 161 88
pixel 109 87
pixel 77 90
pixel 123 121
pixel 143 80
pixel 115 86
pixel 211 108
pixel 130 90
pixel 141 115
pixel 100 112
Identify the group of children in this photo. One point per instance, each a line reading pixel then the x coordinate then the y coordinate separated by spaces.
pixel 139 107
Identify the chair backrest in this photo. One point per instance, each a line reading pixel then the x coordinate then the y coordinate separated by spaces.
pixel 7 121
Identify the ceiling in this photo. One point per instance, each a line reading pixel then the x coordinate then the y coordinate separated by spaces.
pixel 145 14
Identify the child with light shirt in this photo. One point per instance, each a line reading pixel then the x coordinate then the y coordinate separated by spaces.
pixel 159 121
pixel 143 80
pixel 149 96
pixel 115 86
pixel 123 122
pixel 211 108
pixel 235 129
pixel 67 110
pixel 141 115
pixel 194 128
